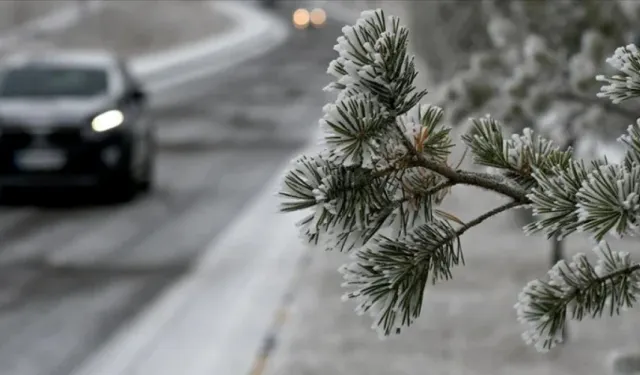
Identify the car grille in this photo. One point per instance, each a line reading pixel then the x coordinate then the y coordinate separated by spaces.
pixel 14 138
pixel 64 137
pixel 17 137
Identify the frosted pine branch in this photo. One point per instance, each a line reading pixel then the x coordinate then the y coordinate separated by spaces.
pixel 626 85
pixel 609 201
pixel 577 290
pixel 390 275
pixel 517 157
pixel 375 190
pixel 632 141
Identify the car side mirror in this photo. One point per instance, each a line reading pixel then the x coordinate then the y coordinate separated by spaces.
pixel 138 95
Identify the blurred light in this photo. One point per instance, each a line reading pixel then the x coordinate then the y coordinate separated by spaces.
pixel 318 17
pixel 107 120
pixel 301 18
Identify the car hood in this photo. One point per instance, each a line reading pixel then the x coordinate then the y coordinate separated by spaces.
pixel 46 112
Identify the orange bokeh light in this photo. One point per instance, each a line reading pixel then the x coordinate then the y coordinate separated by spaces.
pixel 318 17
pixel 301 18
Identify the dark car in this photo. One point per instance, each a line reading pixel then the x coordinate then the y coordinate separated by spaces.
pixel 74 119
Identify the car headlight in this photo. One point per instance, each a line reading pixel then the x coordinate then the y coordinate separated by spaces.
pixel 107 120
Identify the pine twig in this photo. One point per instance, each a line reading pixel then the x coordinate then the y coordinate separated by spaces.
pixel 613 275
pixel 439 187
pixel 457 176
pixel 481 180
pixel 478 220
pixel 597 281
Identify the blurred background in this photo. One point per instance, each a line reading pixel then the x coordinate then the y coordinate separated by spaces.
pixel 200 275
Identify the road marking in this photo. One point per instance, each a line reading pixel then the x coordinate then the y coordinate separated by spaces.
pixel 271 340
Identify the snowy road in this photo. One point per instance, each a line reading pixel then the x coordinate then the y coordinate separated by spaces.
pixel 71 275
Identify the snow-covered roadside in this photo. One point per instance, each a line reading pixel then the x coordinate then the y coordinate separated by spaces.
pixel 56 20
pixel 17 13
pixel 247 274
pixel 187 331
pixel 246 40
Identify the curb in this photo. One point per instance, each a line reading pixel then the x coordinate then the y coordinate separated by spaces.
pixel 255 32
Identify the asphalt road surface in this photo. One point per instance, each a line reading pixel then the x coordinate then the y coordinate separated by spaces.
pixel 73 271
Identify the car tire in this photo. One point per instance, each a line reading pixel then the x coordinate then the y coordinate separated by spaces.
pixel 146 183
pixel 145 186
pixel 122 185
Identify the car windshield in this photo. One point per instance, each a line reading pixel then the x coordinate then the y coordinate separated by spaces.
pixel 42 81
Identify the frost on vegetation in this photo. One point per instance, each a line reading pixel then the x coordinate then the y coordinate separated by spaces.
pixel 626 85
pixel 377 188
pixel 549 52
pixel 576 290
